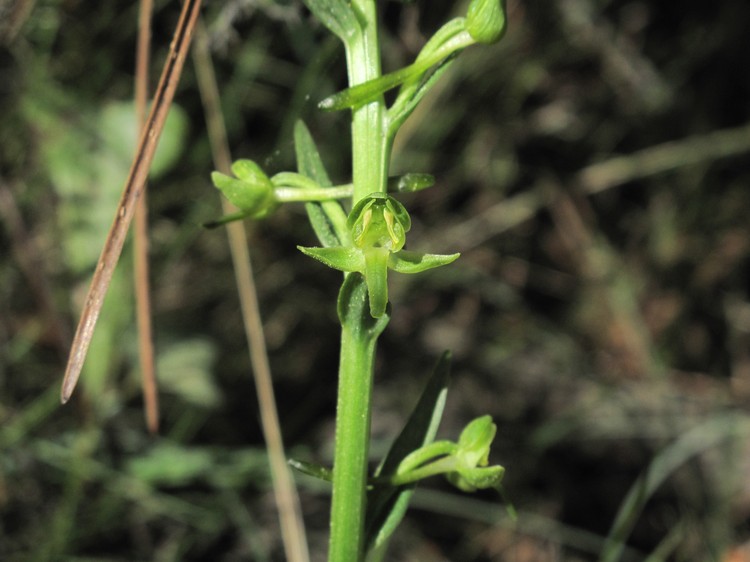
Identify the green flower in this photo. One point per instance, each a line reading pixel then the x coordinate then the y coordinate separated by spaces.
pixel 378 225
pixel 251 191
pixel 472 457
pixel 464 463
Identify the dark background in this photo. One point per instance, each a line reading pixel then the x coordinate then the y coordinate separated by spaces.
pixel 593 170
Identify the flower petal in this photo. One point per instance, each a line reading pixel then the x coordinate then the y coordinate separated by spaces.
pixel 405 261
pixel 337 257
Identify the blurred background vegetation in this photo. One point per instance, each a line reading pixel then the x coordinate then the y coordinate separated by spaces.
pixel 594 170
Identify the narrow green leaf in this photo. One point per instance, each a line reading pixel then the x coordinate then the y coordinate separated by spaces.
pixel 405 261
pixel 327 218
pixel 337 16
pixel 413 91
pixel 369 91
pixel 311 469
pixel 698 439
pixel 309 162
pixel 386 506
pixel 364 93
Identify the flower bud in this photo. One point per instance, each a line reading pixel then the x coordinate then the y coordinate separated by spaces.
pixel 248 171
pixel 251 191
pixel 485 20
pixel 475 440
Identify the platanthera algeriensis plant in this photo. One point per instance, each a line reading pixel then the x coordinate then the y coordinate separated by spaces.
pixel 366 243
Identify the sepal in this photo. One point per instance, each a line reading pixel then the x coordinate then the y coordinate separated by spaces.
pixel 337 257
pixel 405 261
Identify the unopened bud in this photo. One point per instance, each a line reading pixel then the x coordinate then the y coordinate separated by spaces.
pixel 485 20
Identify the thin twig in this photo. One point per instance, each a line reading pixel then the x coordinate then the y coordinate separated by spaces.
pixel 110 255
pixel 287 500
pixel 663 157
pixel 140 232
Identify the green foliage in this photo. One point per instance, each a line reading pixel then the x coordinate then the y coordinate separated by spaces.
pixel 387 505
pixel 327 219
pixel 185 371
pixel 589 121
pixel 337 15
pixel 169 464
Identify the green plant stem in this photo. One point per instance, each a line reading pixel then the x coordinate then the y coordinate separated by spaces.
pixel 359 333
pixel 350 460
pixel 370 157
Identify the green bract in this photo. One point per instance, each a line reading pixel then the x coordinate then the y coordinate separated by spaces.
pixel 448 41
pixel 378 225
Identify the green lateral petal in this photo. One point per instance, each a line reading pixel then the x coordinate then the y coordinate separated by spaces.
pixel 416 262
pixel 338 257
pixel 376 277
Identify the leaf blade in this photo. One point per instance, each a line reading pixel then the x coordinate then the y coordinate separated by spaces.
pixel 327 218
pixel 387 506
